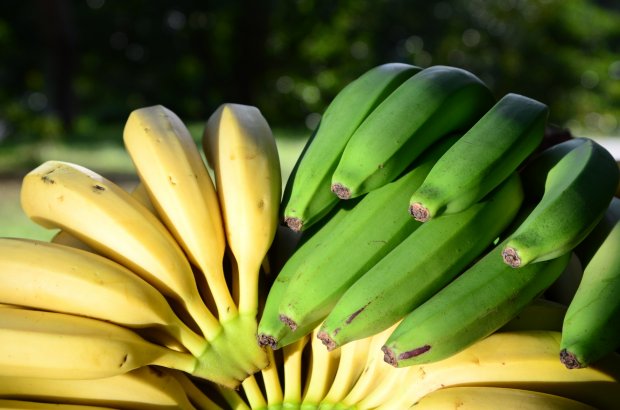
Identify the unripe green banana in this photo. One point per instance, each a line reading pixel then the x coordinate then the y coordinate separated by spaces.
pixel 370 231
pixel 481 300
pixel 307 195
pixel 484 156
pixel 435 102
pixel 591 327
pixel 271 330
pixel 577 190
pixel 423 263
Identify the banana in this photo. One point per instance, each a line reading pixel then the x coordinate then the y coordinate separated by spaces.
pixel 350 367
pixel 59 278
pixel 253 393
pixel 524 360
pixel 178 183
pixel 493 398
pixel 437 101
pixel 321 371
pixel 58 345
pixel 241 149
pixel 144 388
pixel 591 328
pixel 34 405
pixel 423 263
pixel 271 330
pixel 485 297
pixel 482 158
pixel 370 231
pixel 540 314
pixel 577 189
pixel 307 194
pixel 62 195
pixel 197 396
pixel 293 368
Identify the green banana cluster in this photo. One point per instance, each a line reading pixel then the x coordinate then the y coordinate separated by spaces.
pixel 497 218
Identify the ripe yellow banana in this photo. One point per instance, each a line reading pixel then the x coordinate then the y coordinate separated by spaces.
pixel 36 343
pixel 241 149
pixel 293 369
pixel 321 371
pixel 98 212
pixel 59 278
pixel 178 183
pixel 144 388
pixel 493 398
pixel 520 359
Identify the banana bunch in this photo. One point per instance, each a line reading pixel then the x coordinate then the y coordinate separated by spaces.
pixel 411 261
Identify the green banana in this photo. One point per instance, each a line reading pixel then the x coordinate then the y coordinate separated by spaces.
pixel 484 156
pixel 371 230
pixel 307 196
pixel 481 300
pixel 437 101
pixel 577 189
pixel 420 266
pixel 591 327
pixel 271 331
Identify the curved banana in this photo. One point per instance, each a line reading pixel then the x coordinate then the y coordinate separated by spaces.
pixel 320 374
pixel 144 388
pixel 177 181
pixel 421 265
pixel 485 297
pixel 488 153
pixel 241 149
pixel 431 104
pixel 98 212
pixel 58 345
pixel 307 194
pixel 59 278
pixel 577 190
pixel 591 328
pixel 272 331
pixel 493 398
pixel 524 359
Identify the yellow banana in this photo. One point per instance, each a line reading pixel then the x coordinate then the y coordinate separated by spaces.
pixel 169 165
pixel 98 212
pixel 59 278
pixel 293 369
pixel 144 388
pixel 321 371
pixel 36 343
pixel 520 359
pixel 196 395
pixel 493 398
pixel 241 149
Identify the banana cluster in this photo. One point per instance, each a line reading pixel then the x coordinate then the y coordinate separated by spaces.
pixel 405 264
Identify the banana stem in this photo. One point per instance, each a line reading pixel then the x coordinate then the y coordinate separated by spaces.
pixel 196 396
pixel 208 324
pixel 226 307
pixel 253 393
pixel 195 343
pixel 233 399
pixel 271 380
pixel 173 359
pixel 293 370
pixel 248 288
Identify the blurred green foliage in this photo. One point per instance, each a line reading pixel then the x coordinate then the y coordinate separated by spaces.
pixel 70 69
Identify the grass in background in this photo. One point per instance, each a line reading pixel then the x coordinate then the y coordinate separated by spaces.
pixel 109 159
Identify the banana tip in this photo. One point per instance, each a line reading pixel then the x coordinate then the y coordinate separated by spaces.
pixel 293 223
pixel 419 212
pixel 389 357
pixel 329 343
pixel 267 340
pixel 570 360
pixel 511 257
pixel 341 191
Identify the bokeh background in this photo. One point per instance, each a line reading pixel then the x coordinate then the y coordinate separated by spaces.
pixel 72 70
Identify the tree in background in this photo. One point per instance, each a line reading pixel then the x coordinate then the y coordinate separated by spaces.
pixel 70 67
